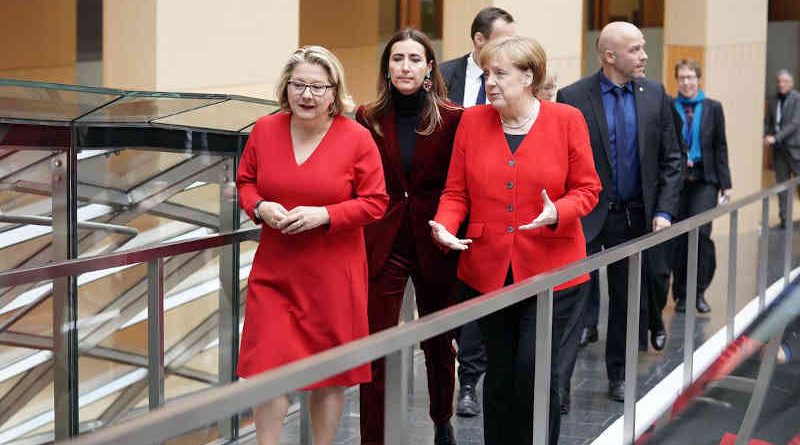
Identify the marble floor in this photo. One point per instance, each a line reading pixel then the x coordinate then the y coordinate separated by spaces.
pixel 592 412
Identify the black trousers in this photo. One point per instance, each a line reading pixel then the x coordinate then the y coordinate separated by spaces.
pixel 510 339
pixel 660 261
pixel 471 354
pixel 620 226
pixel 786 167
pixel 696 197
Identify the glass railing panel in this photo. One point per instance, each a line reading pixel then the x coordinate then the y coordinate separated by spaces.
pixel 48 104
pixel 138 109
pixel 232 115
pixel 204 198
pixel 125 169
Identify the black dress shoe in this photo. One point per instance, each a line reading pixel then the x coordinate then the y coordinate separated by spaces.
pixel 443 434
pixel 563 395
pixel 467 405
pixel 588 335
pixel 658 339
pixel 680 305
pixel 702 305
pixel 616 390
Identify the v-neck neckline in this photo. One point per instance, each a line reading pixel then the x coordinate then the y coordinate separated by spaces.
pixel 314 150
pixel 522 143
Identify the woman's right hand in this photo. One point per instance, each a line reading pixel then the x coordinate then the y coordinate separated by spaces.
pixel 447 239
pixel 271 213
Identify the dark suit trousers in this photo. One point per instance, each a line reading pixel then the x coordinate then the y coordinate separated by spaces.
pixel 619 227
pixel 385 300
pixel 696 197
pixel 785 167
pixel 471 352
pixel 510 338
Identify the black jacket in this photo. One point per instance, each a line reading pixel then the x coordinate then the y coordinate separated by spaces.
pixel 659 153
pixel 454 72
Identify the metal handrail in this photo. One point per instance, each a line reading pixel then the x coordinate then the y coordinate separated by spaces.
pixel 209 406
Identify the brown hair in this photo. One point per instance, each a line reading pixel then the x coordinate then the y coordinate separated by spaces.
pixel 430 118
pixel 484 20
pixel 691 64
pixel 524 53
pixel 317 55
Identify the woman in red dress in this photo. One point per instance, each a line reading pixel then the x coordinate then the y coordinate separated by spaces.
pixel 523 170
pixel 314 179
pixel 414 128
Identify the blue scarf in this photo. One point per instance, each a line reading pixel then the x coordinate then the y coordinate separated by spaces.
pixel 692 135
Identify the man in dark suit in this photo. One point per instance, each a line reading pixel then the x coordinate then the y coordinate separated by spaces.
pixel 782 132
pixel 463 75
pixel 638 160
pixel 466 86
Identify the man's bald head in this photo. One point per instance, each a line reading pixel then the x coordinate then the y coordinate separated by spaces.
pixel 620 47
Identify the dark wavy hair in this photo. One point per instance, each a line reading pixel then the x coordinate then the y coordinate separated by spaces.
pixel 430 118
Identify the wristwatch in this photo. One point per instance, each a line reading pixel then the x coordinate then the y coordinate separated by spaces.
pixel 256 215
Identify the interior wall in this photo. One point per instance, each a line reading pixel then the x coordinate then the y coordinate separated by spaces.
pixel 350 29
pixel 44 52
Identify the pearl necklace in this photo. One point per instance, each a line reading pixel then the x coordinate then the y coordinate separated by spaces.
pixel 526 121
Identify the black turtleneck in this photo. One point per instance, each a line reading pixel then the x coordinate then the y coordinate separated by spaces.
pixel 407 111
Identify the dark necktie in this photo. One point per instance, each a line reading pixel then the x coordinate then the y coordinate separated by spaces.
pixel 481 99
pixel 626 179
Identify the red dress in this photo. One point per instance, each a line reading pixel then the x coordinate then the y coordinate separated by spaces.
pixel 308 292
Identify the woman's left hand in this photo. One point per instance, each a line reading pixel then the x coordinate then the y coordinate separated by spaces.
pixel 302 218
pixel 548 216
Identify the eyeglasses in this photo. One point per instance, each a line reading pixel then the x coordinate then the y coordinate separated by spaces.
pixel 686 78
pixel 317 89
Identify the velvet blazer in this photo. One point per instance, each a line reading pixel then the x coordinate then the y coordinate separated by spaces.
pixel 500 191
pixel 413 198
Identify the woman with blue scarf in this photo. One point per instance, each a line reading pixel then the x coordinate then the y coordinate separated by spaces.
pixel 708 177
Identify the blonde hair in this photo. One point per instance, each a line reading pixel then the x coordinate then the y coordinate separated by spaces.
pixel 317 55
pixel 524 53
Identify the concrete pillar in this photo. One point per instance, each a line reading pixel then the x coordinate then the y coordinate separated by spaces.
pixel 556 24
pixel 198 45
pixel 729 39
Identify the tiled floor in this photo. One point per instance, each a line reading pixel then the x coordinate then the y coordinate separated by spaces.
pixel 592 411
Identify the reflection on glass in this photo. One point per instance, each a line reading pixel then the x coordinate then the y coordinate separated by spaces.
pixel 144 109
pixel 232 115
pixel 46 104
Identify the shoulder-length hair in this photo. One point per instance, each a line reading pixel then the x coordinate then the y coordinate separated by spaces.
pixel 431 117
pixel 317 55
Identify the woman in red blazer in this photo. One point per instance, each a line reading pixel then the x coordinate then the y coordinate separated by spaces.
pixel 523 171
pixel 414 128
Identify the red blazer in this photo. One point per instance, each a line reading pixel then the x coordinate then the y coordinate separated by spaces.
pixel 501 191
pixel 412 200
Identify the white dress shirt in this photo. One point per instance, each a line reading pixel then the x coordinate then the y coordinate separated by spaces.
pixel 472 82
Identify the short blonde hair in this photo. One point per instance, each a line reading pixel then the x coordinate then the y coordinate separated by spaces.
pixel 524 53
pixel 317 55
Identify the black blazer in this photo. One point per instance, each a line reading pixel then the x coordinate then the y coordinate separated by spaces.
pixel 713 143
pixel 454 72
pixel 659 153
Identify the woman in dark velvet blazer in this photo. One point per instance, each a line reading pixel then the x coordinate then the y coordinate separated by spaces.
pixel 413 126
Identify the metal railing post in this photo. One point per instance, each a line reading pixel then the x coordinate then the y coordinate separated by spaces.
pixel 763 247
pixel 155 333
pixel 396 410
pixel 305 418
pixel 765 370
pixel 541 378
pixel 64 171
pixel 632 347
pixel 733 255
pixel 229 303
pixel 787 237
pixel 691 306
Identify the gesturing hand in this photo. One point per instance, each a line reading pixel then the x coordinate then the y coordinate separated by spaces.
pixel 303 218
pixel 271 213
pixel 548 216
pixel 447 239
